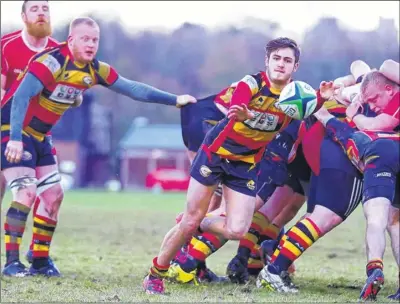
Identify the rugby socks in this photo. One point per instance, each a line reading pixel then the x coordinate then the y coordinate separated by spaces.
pixel 201 247
pixel 250 240
pixel 372 265
pixel 43 230
pixel 14 228
pixel 158 271
pixel 35 207
pixel 254 264
pixel 278 248
pixel 300 237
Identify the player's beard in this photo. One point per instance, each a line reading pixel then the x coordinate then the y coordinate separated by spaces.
pixel 38 30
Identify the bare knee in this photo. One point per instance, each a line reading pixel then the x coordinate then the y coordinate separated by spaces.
pixel 52 199
pixel 236 232
pixel 25 195
pixel 190 223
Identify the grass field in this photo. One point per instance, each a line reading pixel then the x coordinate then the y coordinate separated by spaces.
pixel 105 242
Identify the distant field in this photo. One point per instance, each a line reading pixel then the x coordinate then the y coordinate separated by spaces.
pixel 105 243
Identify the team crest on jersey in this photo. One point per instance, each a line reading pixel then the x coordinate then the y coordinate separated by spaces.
pixel 251 185
pixel 87 80
pixel 205 171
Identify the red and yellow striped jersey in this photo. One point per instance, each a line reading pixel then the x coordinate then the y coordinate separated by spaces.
pixel 246 141
pixel 63 81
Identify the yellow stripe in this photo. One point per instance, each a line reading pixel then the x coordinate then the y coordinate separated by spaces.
pixel 293 249
pixel 8 127
pixel 370 158
pixel 42 232
pixel 42 222
pixel 200 246
pixel 7 239
pixel 38 247
pixel 302 235
pixel 53 107
pixel 193 241
pixel 251 237
pixel 247 159
pixel 310 228
pixel 39 136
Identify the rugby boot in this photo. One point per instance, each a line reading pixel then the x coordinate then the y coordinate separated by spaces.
pixel 153 285
pixel 373 285
pixel 396 296
pixel 267 249
pixel 237 270
pixel 276 282
pixel 15 269
pixel 47 269
pixel 205 275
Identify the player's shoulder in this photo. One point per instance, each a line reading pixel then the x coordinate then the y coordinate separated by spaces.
pixel 255 81
pixel 11 41
pixel 52 57
pixel 101 67
pixel 11 35
pixel 52 42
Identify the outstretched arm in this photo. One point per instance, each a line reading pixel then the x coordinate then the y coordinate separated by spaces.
pixel 145 93
pixel 29 87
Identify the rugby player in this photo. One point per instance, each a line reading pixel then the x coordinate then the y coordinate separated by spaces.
pixel 230 154
pixel 329 203
pixel 16 50
pixel 376 154
pixel 37 100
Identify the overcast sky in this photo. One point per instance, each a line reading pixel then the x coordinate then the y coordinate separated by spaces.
pixel 293 16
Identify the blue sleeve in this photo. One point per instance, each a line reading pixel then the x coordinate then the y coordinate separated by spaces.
pixel 29 87
pixel 142 92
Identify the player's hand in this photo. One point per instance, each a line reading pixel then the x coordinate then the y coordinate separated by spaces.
pixel 14 151
pixel 183 100
pixel 352 109
pixel 327 89
pixel 78 101
pixel 240 113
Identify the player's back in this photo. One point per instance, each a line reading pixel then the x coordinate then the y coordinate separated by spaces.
pixel 16 53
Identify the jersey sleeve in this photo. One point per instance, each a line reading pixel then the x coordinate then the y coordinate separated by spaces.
pixel 4 63
pixel 393 108
pixel 254 82
pixel 106 74
pixel 46 68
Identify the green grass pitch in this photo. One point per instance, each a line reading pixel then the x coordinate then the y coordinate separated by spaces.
pixel 105 242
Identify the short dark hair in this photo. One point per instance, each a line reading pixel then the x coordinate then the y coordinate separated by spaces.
pixel 24 5
pixel 283 42
pixel 82 20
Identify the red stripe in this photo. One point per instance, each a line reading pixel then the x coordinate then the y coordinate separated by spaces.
pixel 40 254
pixel 42 73
pixel 5 139
pixel 43 114
pixel 314 225
pixel 246 243
pixel 256 227
pixel 70 84
pixel 19 229
pixel 160 267
pixel 198 255
pixel 241 95
pixel 271 234
pixel 217 143
pixel 248 142
pixel 213 239
pixel 298 239
pixel 40 237
pixel 12 246
pixel 36 205
pixel 287 253
pixel 112 76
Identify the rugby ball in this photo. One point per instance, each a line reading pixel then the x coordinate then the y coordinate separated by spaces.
pixel 297 100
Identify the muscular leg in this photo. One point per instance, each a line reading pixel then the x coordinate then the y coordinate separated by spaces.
pixel 45 216
pixel 22 183
pixel 3 185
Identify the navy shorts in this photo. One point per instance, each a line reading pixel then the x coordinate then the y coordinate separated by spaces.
pixel 197 119
pixel 299 174
pixel 381 169
pixel 236 175
pixel 36 153
pixel 338 187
